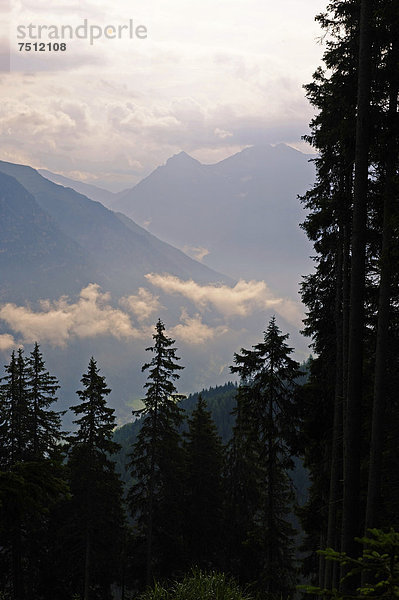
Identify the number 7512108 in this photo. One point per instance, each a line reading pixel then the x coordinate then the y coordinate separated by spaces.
pixel 42 46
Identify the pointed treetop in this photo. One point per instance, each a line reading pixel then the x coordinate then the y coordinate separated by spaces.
pixel 97 423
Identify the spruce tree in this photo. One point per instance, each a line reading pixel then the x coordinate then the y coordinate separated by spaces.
pixel 14 449
pixel 352 295
pixel 355 394
pixel 203 499
pixel 32 480
pixel 45 423
pixel 387 292
pixel 243 473
pixel 264 438
pixel 96 513
pixel 14 413
pixel 157 464
pixel 46 459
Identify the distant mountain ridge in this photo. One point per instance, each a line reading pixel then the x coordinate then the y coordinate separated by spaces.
pixel 239 216
pixel 93 192
pixel 54 242
pixel 115 252
pixel 35 254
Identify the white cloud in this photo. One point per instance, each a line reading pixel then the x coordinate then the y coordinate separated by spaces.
pixel 240 300
pixel 222 134
pixel 191 84
pixel 197 252
pixel 192 330
pixel 215 323
pixel 6 342
pixel 143 304
pixel 59 321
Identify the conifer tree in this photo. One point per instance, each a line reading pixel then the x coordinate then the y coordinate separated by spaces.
pixel 156 462
pixel 14 413
pixel 351 297
pixel 243 494
pixel 263 442
pixel 387 290
pixel 45 423
pixel 46 466
pixel 355 393
pixel 31 483
pixel 14 445
pixel 203 500
pixel 96 514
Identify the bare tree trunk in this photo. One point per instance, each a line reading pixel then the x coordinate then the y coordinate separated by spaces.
pixel 352 434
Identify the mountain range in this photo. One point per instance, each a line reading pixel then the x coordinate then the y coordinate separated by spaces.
pixel 239 216
pixel 91 191
pixel 79 241
pixel 85 280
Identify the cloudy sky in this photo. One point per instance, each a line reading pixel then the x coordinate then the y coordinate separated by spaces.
pixel 210 78
pixel 93 315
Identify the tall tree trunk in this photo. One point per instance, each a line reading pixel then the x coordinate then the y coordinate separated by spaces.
pixel 270 485
pixel 345 315
pixel 352 433
pixel 150 524
pixel 18 585
pixel 335 472
pixel 87 576
pixel 270 516
pixel 151 491
pixel 89 515
pixel 341 310
pixel 123 574
pixel 384 301
pixel 345 351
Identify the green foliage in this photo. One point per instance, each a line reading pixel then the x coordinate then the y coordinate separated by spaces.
pixel 198 585
pixel 378 567
pixel 203 495
pixel 97 421
pixel 157 462
pixel 95 513
pixel 14 413
pixel 261 537
pixel 220 401
pixel 42 388
pixel 32 479
pixel 30 429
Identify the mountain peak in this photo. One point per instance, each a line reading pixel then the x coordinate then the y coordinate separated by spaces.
pixel 182 158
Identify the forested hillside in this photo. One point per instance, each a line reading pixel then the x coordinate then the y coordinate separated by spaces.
pixel 184 479
pixel 204 508
pixel 220 402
